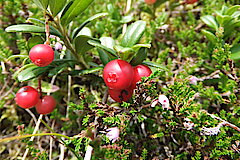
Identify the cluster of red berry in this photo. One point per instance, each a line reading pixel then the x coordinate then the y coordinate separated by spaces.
pixel 28 97
pixel 121 78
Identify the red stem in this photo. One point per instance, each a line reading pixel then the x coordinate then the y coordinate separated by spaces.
pixel 40 87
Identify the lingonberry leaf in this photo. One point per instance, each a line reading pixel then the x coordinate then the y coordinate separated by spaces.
pixel 104 56
pixel 156 65
pixel 99 45
pixel 99 15
pixel 56 6
pixel 209 35
pixel 74 10
pixel 210 21
pixel 82 45
pixel 235 52
pixel 31 72
pixel 139 56
pixel 43 4
pixel 42 23
pixel 27 28
pixel 34 41
pixel 133 34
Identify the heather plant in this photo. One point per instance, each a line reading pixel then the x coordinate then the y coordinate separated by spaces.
pixel 187 108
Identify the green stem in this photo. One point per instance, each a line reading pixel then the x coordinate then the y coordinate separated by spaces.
pixel 67 42
pixel 71 149
pixel 33 135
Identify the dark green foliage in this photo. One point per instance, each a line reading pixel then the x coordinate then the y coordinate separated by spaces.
pixel 192 49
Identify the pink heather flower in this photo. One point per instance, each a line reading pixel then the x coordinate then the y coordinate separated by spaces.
pixel 113 134
pixel 188 124
pixel 212 131
pixel 52 36
pixel 58 46
pixel 164 101
pixel 154 103
pixel 193 80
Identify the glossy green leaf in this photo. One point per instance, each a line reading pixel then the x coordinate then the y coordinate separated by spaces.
pixel 235 52
pixel 86 71
pixel 108 42
pixel 66 8
pixel 99 45
pixel 156 65
pixel 138 46
pixel 56 6
pixel 34 41
pixel 133 34
pixel 139 57
pixel 236 14
pixel 26 28
pixel 74 10
pixel 125 53
pixel 99 15
pixel 85 31
pixel 31 72
pixel 223 19
pixel 232 9
pixel 52 29
pixel 58 69
pixel 104 56
pixel 210 21
pixel 126 19
pixel 209 35
pixel 42 3
pixel 82 45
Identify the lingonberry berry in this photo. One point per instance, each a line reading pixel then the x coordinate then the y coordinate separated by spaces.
pixel 120 95
pixel 41 55
pixel 46 105
pixel 150 1
pixel 118 74
pixel 191 1
pixel 27 97
pixel 139 72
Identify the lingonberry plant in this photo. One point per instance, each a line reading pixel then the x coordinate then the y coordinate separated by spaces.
pixel 45 105
pixel 118 74
pixel 27 97
pixel 150 2
pixel 191 1
pixel 121 95
pixel 41 55
pixel 139 72
pixel 122 79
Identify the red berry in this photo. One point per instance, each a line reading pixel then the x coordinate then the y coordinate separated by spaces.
pixel 120 95
pixel 191 1
pixel 46 105
pixel 27 97
pixel 150 1
pixel 41 55
pixel 139 72
pixel 118 74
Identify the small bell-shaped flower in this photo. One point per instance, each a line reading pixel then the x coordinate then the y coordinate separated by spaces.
pixel 164 101
pixel 113 134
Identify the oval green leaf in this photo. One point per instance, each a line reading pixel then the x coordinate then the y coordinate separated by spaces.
pixel 74 10
pixel 99 15
pixel 31 72
pixel 27 28
pixel 82 45
pixel 139 57
pixel 156 65
pixel 133 34
pixel 43 4
pixel 56 6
